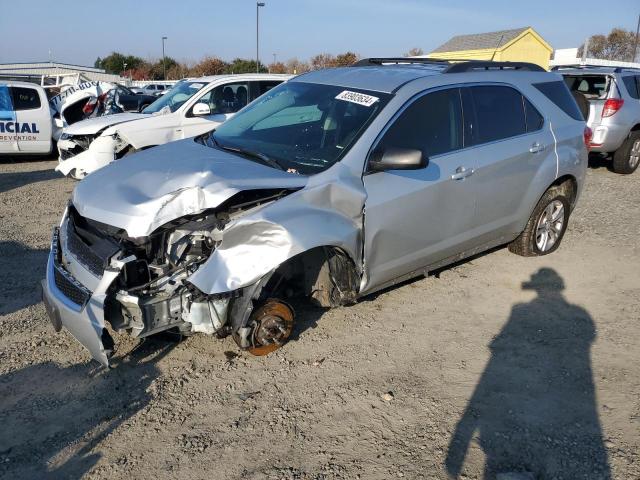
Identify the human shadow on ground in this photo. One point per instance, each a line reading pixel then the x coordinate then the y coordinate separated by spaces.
pixel 534 407
pixel 54 417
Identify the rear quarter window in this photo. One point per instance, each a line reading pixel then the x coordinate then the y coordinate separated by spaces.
pixel 632 84
pixel 559 94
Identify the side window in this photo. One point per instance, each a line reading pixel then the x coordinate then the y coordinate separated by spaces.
pixel 433 124
pixel 632 83
pixel 227 98
pixel 25 98
pixel 559 94
pixel 532 117
pixel 6 105
pixel 499 114
pixel 265 86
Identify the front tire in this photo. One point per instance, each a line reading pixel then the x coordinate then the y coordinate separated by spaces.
pixel 546 226
pixel 627 158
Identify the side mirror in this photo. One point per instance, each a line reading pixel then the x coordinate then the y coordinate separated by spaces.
pixel 395 158
pixel 201 110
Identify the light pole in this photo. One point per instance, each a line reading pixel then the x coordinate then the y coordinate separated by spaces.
pixel 258 5
pixel 164 63
pixel 124 64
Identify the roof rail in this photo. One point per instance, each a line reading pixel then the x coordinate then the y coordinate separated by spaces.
pixel 611 68
pixel 471 65
pixel 377 61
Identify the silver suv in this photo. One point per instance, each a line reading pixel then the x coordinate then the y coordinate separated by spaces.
pixel 332 186
pixel 611 99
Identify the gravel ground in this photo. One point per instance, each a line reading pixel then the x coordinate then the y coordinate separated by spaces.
pixel 499 364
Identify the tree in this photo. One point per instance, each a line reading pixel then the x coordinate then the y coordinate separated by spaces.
pixel 323 60
pixel 414 52
pixel 617 45
pixel 209 66
pixel 296 67
pixel 346 59
pixel 114 62
pixel 98 63
pixel 241 65
pixel 157 68
pixel 277 67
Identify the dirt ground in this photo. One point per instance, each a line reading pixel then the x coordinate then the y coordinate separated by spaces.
pixel 499 364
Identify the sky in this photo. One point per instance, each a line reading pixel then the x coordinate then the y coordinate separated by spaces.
pixel 79 31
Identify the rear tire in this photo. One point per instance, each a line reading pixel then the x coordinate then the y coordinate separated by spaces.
pixel 546 226
pixel 627 158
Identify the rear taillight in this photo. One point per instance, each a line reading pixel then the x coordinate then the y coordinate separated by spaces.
pixel 611 106
pixel 90 106
pixel 587 135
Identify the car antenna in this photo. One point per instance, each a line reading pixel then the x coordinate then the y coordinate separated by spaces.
pixel 497 46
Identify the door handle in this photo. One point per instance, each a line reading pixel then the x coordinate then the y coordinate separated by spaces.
pixel 462 173
pixel 536 147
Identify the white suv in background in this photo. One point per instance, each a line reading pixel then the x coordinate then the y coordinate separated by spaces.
pixel 192 107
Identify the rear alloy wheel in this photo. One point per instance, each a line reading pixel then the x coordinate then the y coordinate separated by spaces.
pixel 627 158
pixel 546 226
pixel 271 326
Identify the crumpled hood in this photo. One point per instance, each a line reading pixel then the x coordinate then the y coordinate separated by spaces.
pixel 91 126
pixel 141 192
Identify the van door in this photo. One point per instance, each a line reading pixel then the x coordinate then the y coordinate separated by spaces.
pixel 511 143
pixel 416 218
pixel 223 101
pixel 33 119
pixel 8 138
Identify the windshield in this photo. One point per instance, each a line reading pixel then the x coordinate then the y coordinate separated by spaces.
pixel 176 97
pixel 302 127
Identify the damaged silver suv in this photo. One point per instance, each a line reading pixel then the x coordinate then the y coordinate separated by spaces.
pixel 334 185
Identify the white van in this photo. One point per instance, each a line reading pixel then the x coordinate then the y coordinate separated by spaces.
pixel 192 107
pixel 26 122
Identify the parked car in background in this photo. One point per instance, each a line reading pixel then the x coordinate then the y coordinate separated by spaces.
pixel 155 89
pixel 192 107
pixel 130 101
pixel 26 122
pixel 613 99
pixel 331 186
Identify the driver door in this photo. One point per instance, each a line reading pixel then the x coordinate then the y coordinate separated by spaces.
pixel 415 218
pixel 223 101
pixel 8 139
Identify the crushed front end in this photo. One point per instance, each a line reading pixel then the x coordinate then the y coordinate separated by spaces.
pixel 99 279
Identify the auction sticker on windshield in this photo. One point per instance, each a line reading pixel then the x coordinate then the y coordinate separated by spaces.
pixel 359 98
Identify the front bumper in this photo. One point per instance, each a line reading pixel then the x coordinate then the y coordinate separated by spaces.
pixel 71 305
pixel 101 152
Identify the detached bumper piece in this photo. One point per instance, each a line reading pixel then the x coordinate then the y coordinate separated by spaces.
pixel 71 305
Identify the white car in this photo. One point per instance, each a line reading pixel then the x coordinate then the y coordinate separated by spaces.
pixel 26 121
pixel 192 107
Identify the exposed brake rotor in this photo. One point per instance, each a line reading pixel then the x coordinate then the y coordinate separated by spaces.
pixel 272 326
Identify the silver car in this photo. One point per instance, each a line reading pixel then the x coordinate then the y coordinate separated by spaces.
pixel 611 97
pixel 332 186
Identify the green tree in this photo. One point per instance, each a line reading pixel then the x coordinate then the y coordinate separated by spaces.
pixel 114 62
pixel 98 63
pixel 617 45
pixel 241 65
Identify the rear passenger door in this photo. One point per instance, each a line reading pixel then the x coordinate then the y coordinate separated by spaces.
pixel 511 143
pixel 33 120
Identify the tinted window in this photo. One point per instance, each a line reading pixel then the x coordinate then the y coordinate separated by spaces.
pixel 264 87
pixel 591 86
pixel 499 114
pixel 559 94
pixel 532 117
pixel 633 85
pixel 25 98
pixel 432 124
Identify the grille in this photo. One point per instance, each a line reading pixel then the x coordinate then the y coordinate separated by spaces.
pixel 83 253
pixel 69 287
